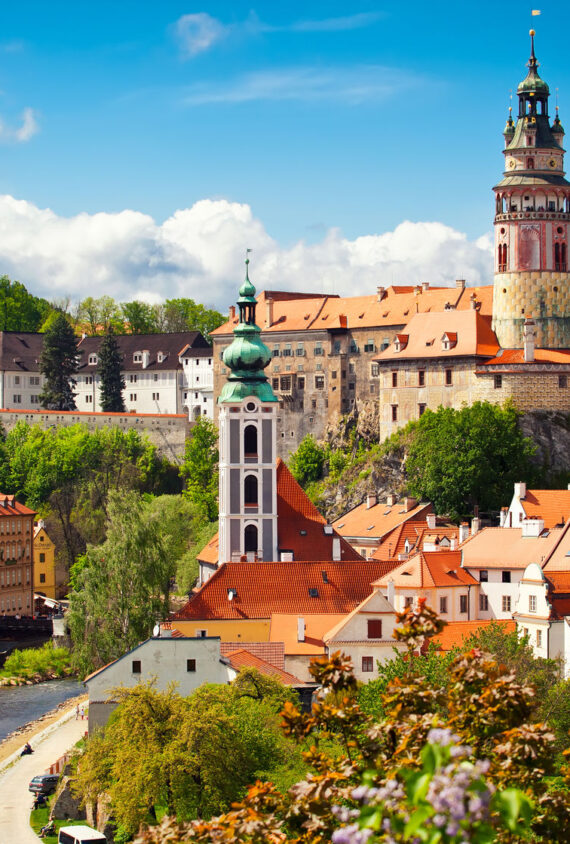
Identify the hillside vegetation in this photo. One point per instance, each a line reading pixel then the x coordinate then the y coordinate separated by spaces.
pixel 456 458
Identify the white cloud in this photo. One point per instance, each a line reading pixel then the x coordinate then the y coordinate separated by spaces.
pixel 197 33
pixel 199 251
pixel 342 24
pixel 351 85
pixel 19 134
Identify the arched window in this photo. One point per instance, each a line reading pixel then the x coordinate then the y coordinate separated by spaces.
pixel 563 257
pixel 250 491
pixel 502 257
pixel 250 539
pixel 530 164
pixel 556 256
pixel 250 441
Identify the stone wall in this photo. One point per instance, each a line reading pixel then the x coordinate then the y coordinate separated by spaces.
pixel 167 432
pixel 530 390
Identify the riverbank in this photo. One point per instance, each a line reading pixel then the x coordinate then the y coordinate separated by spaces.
pixel 16 740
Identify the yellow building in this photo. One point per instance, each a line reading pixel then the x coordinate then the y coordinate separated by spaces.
pixel 48 579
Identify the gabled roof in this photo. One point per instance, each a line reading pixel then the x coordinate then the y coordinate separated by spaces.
pixel 455 633
pixel 300 526
pixel 267 588
pixel 374 604
pixel 377 521
pixel 472 331
pixel 416 532
pixel 551 505
pixel 170 345
pixel 20 351
pixel 507 548
pixel 333 312
pixel 244 658
pixel 429 569
pixel 271 652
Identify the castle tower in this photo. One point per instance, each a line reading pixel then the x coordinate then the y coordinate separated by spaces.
pixel 531 223
pixel 247 425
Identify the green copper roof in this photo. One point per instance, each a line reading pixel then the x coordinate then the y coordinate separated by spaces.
pixel 557 126
pixel 510 127
pixel 247 356
pixel 532 82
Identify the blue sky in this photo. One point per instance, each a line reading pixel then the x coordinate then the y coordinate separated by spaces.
pixel 316 117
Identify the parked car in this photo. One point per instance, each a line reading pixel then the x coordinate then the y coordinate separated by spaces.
pixel 44 784
pixel 80 835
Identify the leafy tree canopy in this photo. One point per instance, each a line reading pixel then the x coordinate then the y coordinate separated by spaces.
pixel 461 458
pixel 200 467
pixel 306 463
pixel 19 310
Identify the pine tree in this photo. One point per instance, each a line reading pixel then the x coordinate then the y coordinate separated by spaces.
pixel 58 364
pixel 112 382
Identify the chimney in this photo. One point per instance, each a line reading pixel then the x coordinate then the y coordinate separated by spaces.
pixel 391 593
pixel 463 532
pixel 425 285
pixel 268 312
pixel 409 504
pixel 520 490
pixel 430 519
pixel 417 289
pixel 145 358
pixel 232 312
pixel 504 511
pixel 475 525
pixel 370 501
pixel 165 630
pixel 473 302
pixel 381 291
pixel 336 549
pixel 460 283
pixel 532 527
pixel 300 629
pixel 390 500
pixel 529 339
pixel 453 544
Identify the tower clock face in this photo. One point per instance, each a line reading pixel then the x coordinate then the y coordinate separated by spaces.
pixel 552 163
pixel 511 163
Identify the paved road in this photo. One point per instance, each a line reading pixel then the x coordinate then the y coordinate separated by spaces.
pixel 16 801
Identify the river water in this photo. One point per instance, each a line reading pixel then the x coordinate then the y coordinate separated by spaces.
pixel 21 704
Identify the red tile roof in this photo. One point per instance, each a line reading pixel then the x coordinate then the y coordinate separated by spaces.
pixel 507 548
pixel 377 521
pixel 10 507
pixel 429 569
pixel 332 312
pixel 300 526
pixel 455 633
pixel 416 532
pixel 245 659
pixel 552 505
pixel 471 331
pixel 266 588
pixel 512 356
pixel 272 652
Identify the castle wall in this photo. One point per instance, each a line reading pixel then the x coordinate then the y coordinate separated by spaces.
pixel 168 433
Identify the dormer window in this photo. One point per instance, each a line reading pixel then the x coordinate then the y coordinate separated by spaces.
pixel 161 356
pixel 93 360
pixel 137 357
pixel 401 342
pixel 448 341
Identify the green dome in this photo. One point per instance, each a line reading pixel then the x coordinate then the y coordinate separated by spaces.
pixel 533 84
pixel 510 127
pixel 248 352
pixel 557 126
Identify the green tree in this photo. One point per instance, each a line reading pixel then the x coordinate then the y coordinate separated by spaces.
pixel 200 467
pixel 460 458
pixel 123 586
pixel 59 363
pixel 187 315
pixel 306 463
pixel 98 315
pixel 109 369
pixel 19 310
pixel 140 317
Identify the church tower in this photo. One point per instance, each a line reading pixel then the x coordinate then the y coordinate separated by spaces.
pixel 531 223
pixel 247 425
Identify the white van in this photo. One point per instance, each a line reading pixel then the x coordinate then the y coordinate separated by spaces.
pixel 80 835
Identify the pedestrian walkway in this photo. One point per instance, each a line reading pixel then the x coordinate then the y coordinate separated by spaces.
pixel 17 801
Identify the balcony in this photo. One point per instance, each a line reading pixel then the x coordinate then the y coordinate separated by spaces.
pixel 532 214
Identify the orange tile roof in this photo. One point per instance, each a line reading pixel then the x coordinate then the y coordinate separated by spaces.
pixel 300 526
pixel 377 521
pixel 416 532
pixel 507 548
pixel 245 659
pixel 552 505
pixel 455 633
pixel 271 652
pixel 425 331
pixel 510 356
pixel 559 557
pixel 284 629
pixel 10 507
pixel 332 312
pixel 429 569
pixel 266 588
pixel 560 580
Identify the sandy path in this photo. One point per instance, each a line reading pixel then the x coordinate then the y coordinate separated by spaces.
pixel 49 744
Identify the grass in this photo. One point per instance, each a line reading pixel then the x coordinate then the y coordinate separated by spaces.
pixel 40 817
pixel 47 662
